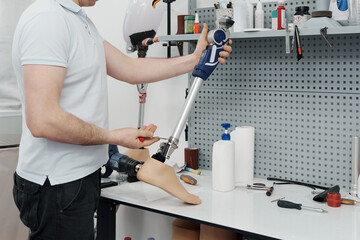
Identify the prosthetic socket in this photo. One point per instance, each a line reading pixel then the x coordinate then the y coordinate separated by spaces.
pixel 121 163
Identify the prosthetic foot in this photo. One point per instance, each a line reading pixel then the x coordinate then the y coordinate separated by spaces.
pixel 163 176
pixel 141 154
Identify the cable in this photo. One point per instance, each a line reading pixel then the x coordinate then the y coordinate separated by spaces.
pixel 298 183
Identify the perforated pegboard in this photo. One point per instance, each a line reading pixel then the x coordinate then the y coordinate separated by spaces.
pixel 304 112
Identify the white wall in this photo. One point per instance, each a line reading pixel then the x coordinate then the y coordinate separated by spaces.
pixel 163 106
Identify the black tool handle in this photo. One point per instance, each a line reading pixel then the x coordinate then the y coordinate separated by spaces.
pixel 269 191
pixel 287 204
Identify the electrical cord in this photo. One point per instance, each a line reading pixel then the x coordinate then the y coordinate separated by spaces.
pixel 298 183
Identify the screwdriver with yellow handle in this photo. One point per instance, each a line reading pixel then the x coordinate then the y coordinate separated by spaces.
pixel 350 202
pixel 188 179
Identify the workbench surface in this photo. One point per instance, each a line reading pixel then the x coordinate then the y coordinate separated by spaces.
pixel 247 211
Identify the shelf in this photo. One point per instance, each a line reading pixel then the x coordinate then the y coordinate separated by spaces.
pixel 266 34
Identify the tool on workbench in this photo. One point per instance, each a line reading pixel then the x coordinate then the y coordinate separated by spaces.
pixel 217 38
pixel 275 200
pixel 108 184
pixel 269 191
pixel 347 201
pixel 321 197
pixel 188 179
pixel 333 199
pixel 297 183
pixel 256 187
pixel 299 206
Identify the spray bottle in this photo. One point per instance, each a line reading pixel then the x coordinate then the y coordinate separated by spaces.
pixel 281 15
pixel 196 24
pixel 223 160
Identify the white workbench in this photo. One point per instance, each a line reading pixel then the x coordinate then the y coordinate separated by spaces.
pixel 250 212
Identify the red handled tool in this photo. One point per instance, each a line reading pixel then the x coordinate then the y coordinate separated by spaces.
pixel 269 191
pixel 141 139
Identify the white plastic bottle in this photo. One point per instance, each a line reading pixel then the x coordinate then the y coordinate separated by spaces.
pixel 244 139
pixel 223 155
pixel 358 187
pixel 250 14
pixel 259 16
pixel 240 15
pixel 340 11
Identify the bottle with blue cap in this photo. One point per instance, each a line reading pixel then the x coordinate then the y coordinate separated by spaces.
pixel 223 160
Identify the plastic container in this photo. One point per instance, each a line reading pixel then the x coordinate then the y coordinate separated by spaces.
pixel 281 15
pixel 340 11
pixel 259 16
pixel 196 24
pixel 354 12
pixel 223 156
pixel 334 199
pixel 358 187
pixel 301 15
pixel 240 15
pixel 250 15
pixel 244 139
pixel 189 24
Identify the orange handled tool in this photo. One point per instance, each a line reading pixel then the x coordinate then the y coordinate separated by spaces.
pixel 188 179
pixel 349 201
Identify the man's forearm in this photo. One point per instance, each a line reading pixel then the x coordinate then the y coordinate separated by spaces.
pixel 146 70
pixel 64 127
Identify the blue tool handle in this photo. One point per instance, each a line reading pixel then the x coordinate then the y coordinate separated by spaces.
pixel 288 204
pixel 209 58
pixel 208 61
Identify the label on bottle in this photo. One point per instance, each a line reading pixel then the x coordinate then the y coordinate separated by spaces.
pixel 283 18
pixel 299 20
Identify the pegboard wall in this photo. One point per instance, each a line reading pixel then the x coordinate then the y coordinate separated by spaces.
pixel 304 112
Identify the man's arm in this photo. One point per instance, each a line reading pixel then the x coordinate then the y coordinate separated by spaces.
pixel 46 119
pixel 147 70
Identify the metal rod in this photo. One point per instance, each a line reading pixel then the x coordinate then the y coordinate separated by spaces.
pixel 141 115
pixel 314 209
pixel 189 102
pixel 169 28
pixel 355 165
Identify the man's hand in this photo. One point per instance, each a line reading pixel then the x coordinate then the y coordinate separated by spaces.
pixel 202 44
pixel 130 137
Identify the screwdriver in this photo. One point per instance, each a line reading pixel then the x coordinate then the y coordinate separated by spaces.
pixel 269 191
pixel 299 206
pixel 349 202
pixel 141 139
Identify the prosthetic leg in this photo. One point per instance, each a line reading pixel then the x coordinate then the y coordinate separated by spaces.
pixel 217 39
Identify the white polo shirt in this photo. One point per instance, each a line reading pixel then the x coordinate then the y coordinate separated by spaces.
pixel 58 33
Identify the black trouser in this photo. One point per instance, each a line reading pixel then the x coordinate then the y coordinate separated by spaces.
pixel 64 211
